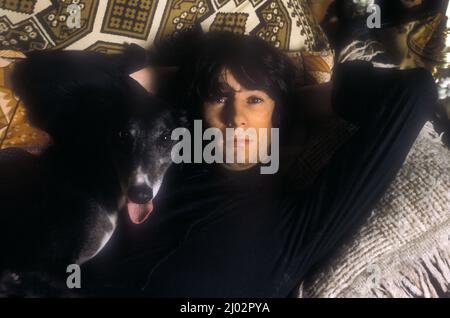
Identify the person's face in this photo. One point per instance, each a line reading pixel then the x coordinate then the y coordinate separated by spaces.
pixel 239 107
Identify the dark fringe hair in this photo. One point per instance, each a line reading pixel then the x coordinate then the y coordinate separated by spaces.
pixel 255 64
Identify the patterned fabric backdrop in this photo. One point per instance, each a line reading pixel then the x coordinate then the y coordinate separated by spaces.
pixel 105 25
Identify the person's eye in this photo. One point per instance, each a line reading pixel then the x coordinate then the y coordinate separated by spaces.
pixel 254 100
pixel 218 100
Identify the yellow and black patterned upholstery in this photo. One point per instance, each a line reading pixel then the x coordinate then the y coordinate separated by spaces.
pixel 105 26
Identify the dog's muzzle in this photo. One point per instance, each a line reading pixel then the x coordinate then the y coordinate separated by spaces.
pixel 140 194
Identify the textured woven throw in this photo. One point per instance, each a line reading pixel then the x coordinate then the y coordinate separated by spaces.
pixel 403 250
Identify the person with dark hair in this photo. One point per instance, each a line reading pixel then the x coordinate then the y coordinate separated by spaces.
pixel 228 68
pixel 254 63
pixel 234 232
pixel 226 230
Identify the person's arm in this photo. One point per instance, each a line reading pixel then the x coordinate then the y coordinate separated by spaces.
pixel 350 94
pixel 390 107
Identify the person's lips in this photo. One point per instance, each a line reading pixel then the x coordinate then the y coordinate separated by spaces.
pixel 238 142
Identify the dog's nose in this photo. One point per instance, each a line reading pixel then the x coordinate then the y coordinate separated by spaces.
pixel 140 194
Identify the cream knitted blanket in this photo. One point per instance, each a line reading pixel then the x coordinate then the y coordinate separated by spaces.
pixel 403 250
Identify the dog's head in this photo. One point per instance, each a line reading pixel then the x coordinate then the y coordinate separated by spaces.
pixel 96 117
pixel 142 151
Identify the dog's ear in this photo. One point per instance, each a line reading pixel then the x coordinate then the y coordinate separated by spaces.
pixel 64 91
pixel 31 85
pixel 44 86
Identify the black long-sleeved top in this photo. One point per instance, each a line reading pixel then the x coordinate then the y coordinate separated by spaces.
pixel 218 233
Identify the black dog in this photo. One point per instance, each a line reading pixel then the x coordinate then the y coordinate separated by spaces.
pixel 111 148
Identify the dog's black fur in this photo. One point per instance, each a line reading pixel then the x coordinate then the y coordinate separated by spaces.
pixel 111 145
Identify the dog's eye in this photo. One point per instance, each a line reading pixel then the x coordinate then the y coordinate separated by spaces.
pixel 124 134
pixel 165 136
pixel 124 140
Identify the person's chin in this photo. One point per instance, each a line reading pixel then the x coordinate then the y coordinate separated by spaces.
pixel 238 166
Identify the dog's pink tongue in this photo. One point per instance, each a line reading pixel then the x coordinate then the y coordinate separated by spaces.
pixel 139 212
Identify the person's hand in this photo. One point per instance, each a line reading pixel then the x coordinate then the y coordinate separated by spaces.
pixel 153 79
pixel 146 78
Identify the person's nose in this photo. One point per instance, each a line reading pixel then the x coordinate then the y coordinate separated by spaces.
pixel 236 114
